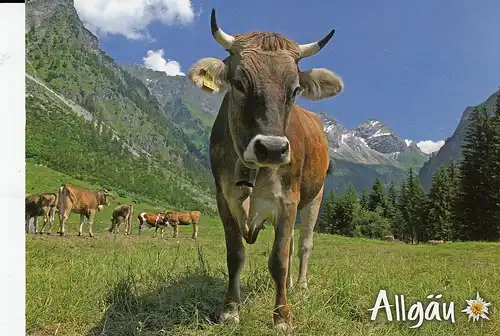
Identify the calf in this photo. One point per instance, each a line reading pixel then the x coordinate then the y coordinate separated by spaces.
pixel 80 201
pixel 40 205
pixel 122 213
pixel 152 220
pixel 176 218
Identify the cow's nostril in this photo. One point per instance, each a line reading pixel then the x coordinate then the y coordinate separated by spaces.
pixel 260 150
pixel 284 148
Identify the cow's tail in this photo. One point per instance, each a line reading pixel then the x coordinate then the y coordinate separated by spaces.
pixel 61 197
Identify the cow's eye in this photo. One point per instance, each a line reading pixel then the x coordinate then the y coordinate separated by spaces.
pixel 297 91
pixel 238 85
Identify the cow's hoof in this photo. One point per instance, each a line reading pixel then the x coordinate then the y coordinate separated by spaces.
pixel 303 285
pixel 48 233
pixel 91 235
pixel 283 327
pixel 229 317
pixel 61 234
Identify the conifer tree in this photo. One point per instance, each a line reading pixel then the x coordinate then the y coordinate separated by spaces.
pixel 440 207
pixel 411 206
pixel 363 199
pixel 475 206
pixel 377 198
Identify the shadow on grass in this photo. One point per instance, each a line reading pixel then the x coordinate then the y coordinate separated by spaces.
pixel 192 299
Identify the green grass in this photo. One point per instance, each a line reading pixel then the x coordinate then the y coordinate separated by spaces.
pixel 140 285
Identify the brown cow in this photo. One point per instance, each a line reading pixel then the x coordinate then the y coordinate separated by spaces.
pixel 80 201
pixel 269 157
pixel 40 205
pixel 122 213
pixel 176 218
pixel 156 220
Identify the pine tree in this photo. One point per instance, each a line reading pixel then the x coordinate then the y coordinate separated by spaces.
pixel 327 214
pixel 475 204
pixel 440 207
pixel 495 169
pixel 363 200
pixel 392 206
pixel 377 198
pixel 346 209
pixel 401 226
pixel 412 207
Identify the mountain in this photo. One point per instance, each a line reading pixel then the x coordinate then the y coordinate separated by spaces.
pixel 452 148
pixel 371 142
pixel 371 150
pixel 187 105
pixel 84 112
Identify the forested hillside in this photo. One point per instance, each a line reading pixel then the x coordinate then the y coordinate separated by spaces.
pixel 150 154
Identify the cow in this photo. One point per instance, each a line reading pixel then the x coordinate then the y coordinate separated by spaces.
pixel 269 157
pixel 45 205
pixel 435 241
pixel 156 220
pixel 80 201
pixel 176 218
pixel 122 213
pixel 389 238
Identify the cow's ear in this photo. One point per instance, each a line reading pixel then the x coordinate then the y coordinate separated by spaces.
pixel 320 83
pixel 209 74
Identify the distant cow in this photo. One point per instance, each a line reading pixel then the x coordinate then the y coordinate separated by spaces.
pixel 122 213
pixel 40 205
pixel 156 220
pixel 80 201
pixel 176 218
pixel 435 242
pixel 388 238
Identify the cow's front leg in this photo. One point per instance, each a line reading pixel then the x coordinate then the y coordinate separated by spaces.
pixel 235 257
pixel 279 262
pixel 35 225
pixel 27 223
pixel 156 231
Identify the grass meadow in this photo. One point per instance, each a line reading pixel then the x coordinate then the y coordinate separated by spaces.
pixel 143 285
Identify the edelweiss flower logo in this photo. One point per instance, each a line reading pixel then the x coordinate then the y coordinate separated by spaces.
pixel 477 308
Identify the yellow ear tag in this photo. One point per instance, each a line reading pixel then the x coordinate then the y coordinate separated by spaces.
pixel 208 81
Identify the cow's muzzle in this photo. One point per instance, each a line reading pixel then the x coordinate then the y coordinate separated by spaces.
pixel 266 150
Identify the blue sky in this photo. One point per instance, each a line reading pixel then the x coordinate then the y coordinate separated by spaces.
pixel 414 65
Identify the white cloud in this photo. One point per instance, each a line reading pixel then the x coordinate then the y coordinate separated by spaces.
pixel 154 60
pixel 131 18
pixel 429 146
pixel 408 142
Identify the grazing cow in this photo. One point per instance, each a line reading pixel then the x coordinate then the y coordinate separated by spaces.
pixel 122 213
pixel 436 242
pixel 269 157
pixel 388 238
pixel 80 201
pixel 40 205
pixel 176 218
pixel 157 220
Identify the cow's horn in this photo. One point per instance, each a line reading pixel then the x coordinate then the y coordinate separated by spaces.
pixel 310 49
pixel 225 40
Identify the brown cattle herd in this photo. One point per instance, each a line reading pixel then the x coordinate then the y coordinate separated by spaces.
pixel 70 199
